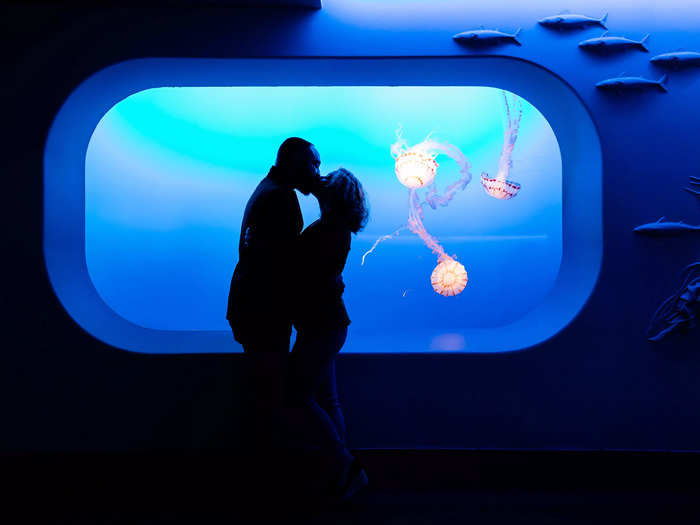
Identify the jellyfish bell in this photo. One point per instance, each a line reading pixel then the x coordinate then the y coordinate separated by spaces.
pixel 449 277
pixel 499 188
pixel 415 168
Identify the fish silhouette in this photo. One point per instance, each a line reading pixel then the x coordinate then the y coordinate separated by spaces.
pixel 662 229
pixel 613 43
pixel 571 21
pixel 483 37
pixel 677 60
pixel 620 84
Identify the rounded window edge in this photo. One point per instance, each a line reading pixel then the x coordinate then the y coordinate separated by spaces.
pixel 66 276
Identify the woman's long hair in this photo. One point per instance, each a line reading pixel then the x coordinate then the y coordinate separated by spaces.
pixel 344 200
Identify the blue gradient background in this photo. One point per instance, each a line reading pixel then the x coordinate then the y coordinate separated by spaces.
pixel 595 385
pixel 168 172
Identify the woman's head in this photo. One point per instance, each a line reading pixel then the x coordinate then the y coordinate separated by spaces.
pixel 342 200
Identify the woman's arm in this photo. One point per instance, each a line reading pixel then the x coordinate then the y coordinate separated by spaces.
pixel 324 252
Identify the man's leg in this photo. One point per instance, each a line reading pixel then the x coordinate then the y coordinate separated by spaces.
pixel 266 353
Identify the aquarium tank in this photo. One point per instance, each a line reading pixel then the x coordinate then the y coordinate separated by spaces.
pixel 168 172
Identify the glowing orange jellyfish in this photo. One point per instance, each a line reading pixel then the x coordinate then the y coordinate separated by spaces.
pixel 499 187
pixel 449 277
pixel 415 167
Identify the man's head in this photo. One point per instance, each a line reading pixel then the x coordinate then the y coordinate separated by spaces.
pixel 300 160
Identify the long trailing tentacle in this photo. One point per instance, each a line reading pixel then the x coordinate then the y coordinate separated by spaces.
pixel 505 99
pixel 382 239
pixel 432 198
pixel 510 135
pixel 400 143
pixel 415 224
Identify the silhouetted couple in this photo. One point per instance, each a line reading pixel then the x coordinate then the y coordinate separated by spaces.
pixel 285 276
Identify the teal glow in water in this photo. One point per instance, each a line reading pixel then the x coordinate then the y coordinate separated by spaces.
pixel 169 170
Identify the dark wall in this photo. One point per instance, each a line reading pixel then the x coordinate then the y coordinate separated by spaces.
pixel 598 384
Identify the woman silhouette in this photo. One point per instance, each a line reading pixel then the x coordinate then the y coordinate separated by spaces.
pixel 321 321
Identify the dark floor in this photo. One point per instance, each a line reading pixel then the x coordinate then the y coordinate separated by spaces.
pixel 406 487
pixel 445 507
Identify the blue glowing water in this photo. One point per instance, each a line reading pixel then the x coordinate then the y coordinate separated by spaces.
pixel 169 170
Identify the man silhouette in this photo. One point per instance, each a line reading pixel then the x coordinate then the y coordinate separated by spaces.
pixel 261 297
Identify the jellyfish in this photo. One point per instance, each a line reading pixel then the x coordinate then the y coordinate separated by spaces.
pixel 500 187
pixel 416 168
pixel 449 277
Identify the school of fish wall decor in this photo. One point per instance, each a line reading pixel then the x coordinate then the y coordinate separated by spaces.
pixel 680 311
pixel 677 60
pixel 611 44
pixel 603 44
pixel 486 37
pixel 566 21
pixel 622 84
pixel 694 187
pixel 662 228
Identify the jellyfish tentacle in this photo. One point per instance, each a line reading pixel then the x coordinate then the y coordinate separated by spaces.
pixel 499 186
pixel 415 224
pixel 400 144
pixel 505 100
pixel 382 239
pixel 432 198
pixel 510 136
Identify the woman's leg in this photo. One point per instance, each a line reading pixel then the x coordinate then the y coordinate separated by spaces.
pixel 327 398
pixel 308 365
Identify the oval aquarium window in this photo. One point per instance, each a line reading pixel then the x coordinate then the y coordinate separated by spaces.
pixel 483 183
